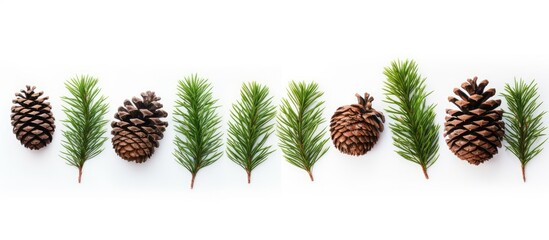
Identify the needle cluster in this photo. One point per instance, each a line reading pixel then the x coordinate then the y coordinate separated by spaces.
pixel 415 133
pixel 250 127
pixel 197 123
pixel 85 123
pixel 302 138
pixel 523 121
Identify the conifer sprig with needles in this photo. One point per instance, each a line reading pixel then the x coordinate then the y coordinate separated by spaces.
pixel 85 123
pixel 415 133
pixel 524 124
pixel 250 127
pixel 197 123
pixel 302 139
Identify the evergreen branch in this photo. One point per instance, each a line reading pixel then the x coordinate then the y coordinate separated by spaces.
pixel 415 133
pixel 85 124
pixel 198 125
pixel 250 127
pixel 524 125
pixel 299 120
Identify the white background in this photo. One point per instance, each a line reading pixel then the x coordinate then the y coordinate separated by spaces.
pixel 135 46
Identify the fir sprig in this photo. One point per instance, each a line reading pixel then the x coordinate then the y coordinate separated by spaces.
pixel 197 123
pixel 86 121
pixel 301 136
pixel 523 124
pixel 250 127
pixel 415 133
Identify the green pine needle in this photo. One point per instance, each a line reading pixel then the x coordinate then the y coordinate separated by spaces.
pixel 524 126
pixel 250 127
pixel 198 125
pixel 301 138
pixel 85 124
pixel 415 133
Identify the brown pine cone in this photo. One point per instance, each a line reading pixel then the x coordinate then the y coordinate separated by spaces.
pixel 475 131
pixel 139 129
pixel 32 119
pixel 355 128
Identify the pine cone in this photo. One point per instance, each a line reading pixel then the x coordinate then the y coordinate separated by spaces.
pixel 136 134
pixel 475 131
pixel 32 119
pixel 356 128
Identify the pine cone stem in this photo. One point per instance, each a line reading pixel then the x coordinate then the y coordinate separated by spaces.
pixel 192 180
pixel 311 175
pixel 425 172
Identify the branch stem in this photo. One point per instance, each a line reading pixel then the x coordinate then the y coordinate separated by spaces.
pixel 79 174
pixel 425 172
pixel 192 180
pixel 523 174
pixel 311 175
